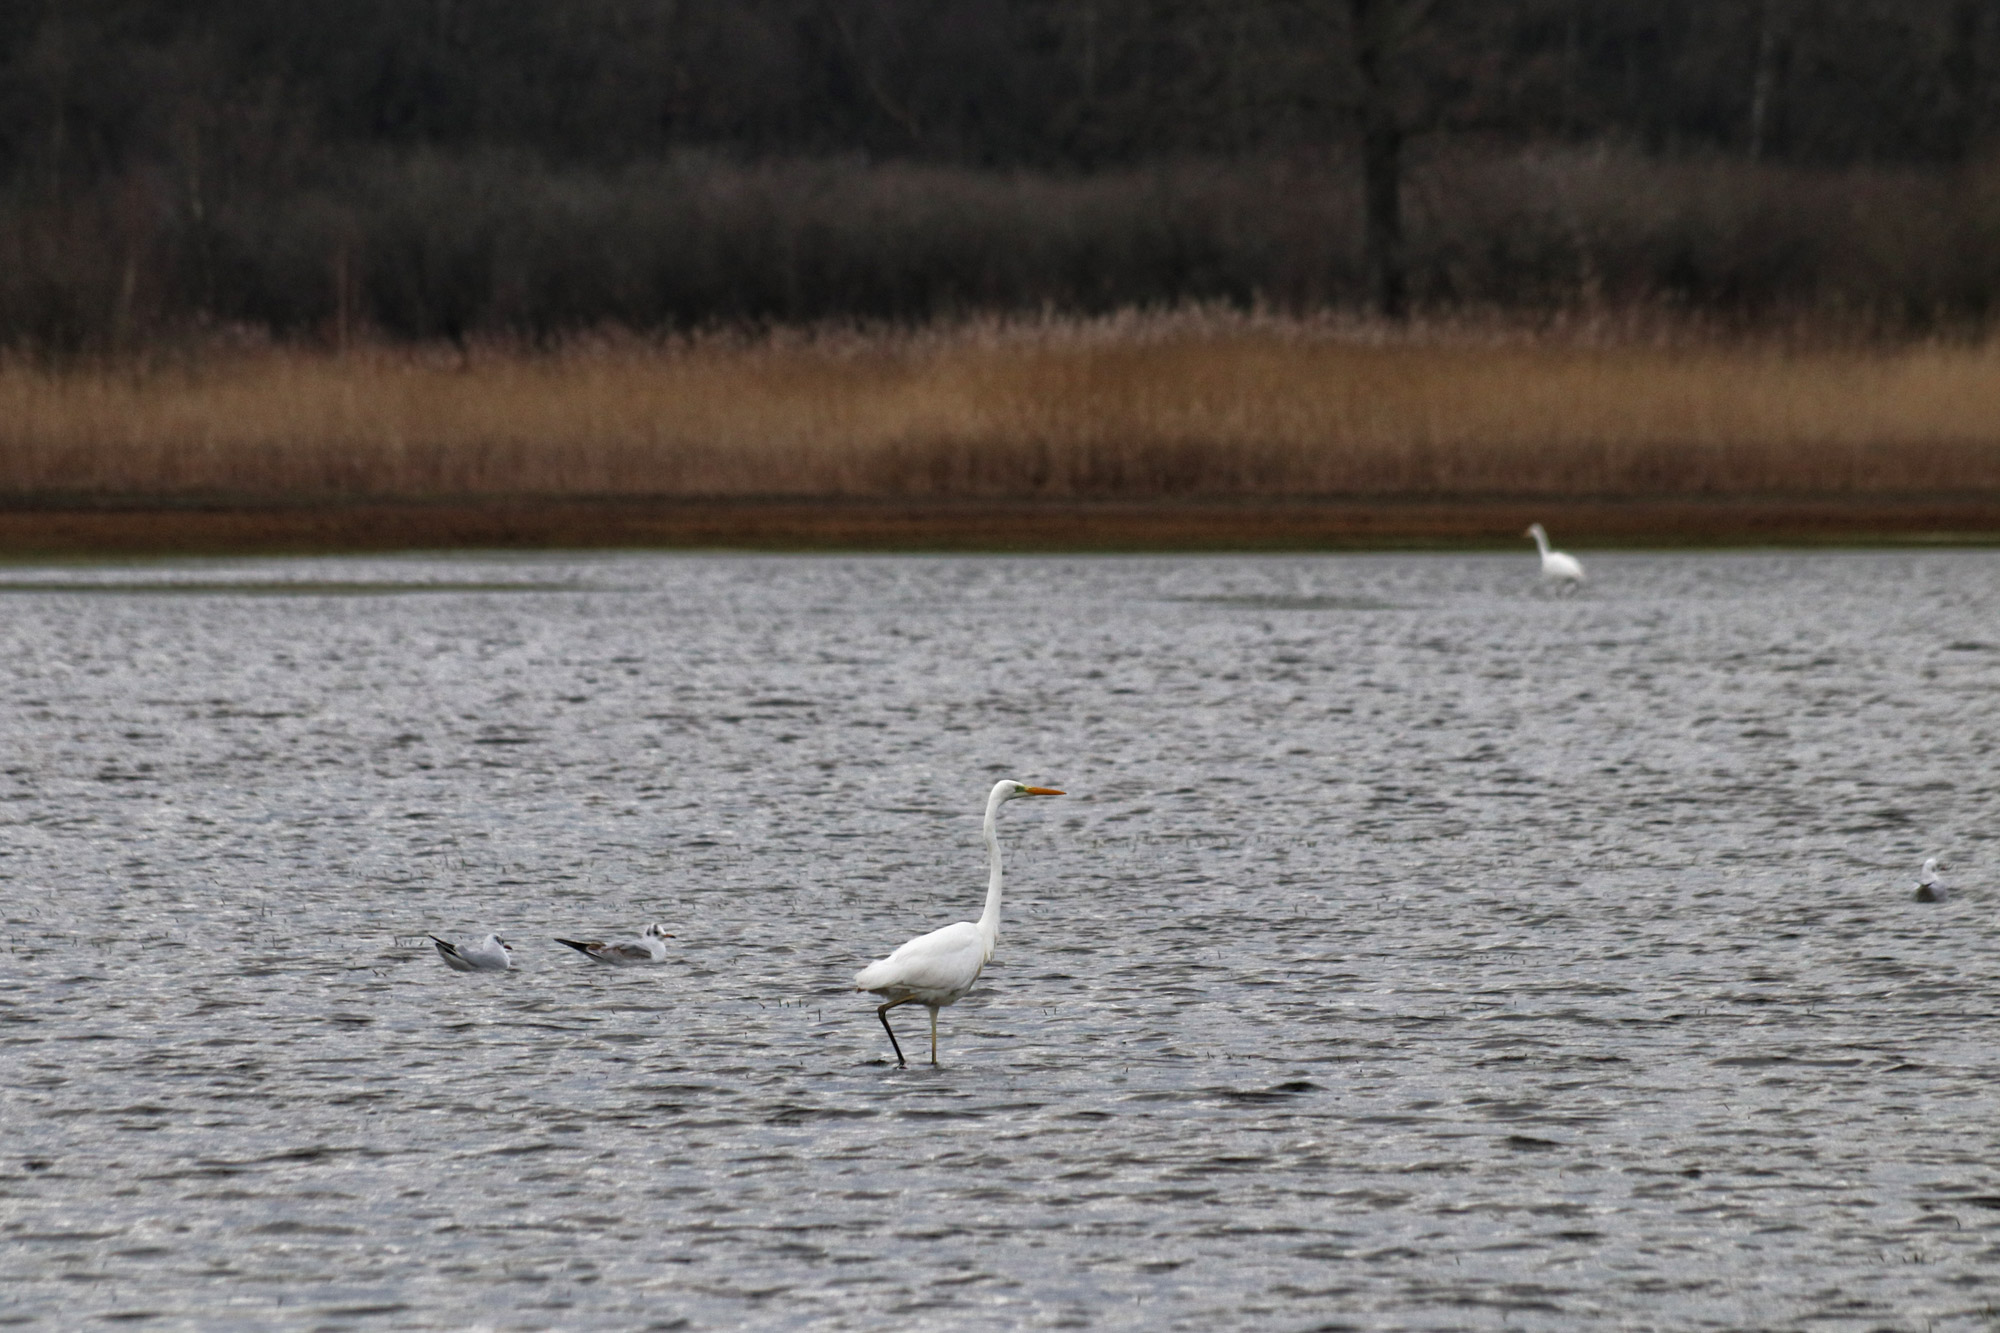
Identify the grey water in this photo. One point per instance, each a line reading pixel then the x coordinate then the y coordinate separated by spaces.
pixel 1414 948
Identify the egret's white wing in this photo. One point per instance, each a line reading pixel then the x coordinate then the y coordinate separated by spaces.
pixel 947 959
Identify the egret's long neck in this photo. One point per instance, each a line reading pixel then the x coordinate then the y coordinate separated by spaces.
pixel 989 920
pixel 1542 542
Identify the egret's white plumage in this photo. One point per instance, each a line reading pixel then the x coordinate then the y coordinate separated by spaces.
pixel 650 947
pixel 1565 571
pixel 1931 889
pixel 489 955
pixel 938 969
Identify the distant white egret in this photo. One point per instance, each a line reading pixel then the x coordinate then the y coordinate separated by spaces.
pixel 650 947
pixel 1931 889
pixel 938 969
pixel 1565 571
pixel 489 955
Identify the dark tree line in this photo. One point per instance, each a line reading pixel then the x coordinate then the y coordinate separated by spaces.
pixel 430 167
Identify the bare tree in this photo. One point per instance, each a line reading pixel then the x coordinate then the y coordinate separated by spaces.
pixel 1962 77
pixel 1767 73
pixel 1383 35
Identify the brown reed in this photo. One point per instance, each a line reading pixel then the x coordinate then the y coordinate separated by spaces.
pixel 1193 405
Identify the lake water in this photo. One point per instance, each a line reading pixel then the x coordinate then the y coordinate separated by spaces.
pixel 1414 949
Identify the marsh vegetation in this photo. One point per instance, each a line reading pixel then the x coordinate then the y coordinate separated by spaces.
pixel 1198 405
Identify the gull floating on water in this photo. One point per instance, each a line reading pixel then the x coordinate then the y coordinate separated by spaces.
pixel 1931 889
pixel 650 947
pixel 1565 571
pixel 489 955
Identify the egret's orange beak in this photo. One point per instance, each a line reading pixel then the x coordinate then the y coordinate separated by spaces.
pixel 1043 791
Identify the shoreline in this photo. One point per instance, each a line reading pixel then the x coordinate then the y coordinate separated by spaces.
pixel 1199 430
pixel 59 527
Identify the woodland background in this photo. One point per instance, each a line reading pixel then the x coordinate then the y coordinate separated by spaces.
pixel 444 169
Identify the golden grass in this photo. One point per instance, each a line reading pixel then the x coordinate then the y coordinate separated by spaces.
pixel 1143 408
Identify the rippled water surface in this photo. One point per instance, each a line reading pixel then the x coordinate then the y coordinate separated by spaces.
pixel 1414 949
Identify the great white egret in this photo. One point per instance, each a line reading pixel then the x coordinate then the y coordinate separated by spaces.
pixel 937 969
pixel 1565 571
pixel 489 955
pixel 650 947
pixel 1931 889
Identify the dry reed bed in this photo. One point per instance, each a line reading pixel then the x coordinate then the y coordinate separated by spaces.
pixel 1168 407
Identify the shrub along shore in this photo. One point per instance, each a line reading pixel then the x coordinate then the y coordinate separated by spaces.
pixel 1192 429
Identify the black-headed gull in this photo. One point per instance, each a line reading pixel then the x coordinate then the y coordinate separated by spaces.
pixel 489 955
pixel 650 947
pixel 1931 889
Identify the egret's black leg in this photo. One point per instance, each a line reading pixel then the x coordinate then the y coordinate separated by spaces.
pixel 883 1014
pixel 933 1036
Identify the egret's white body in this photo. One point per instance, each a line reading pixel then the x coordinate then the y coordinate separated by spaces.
pixel 650 947
pixel 938 969
pixel 489 955
pixel 1931 889
pixel 1565 571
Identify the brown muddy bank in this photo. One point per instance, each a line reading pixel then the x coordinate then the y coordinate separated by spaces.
pixel 149 529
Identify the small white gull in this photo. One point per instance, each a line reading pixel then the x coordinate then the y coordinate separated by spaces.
pixel 1931 889
pixel 489 955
